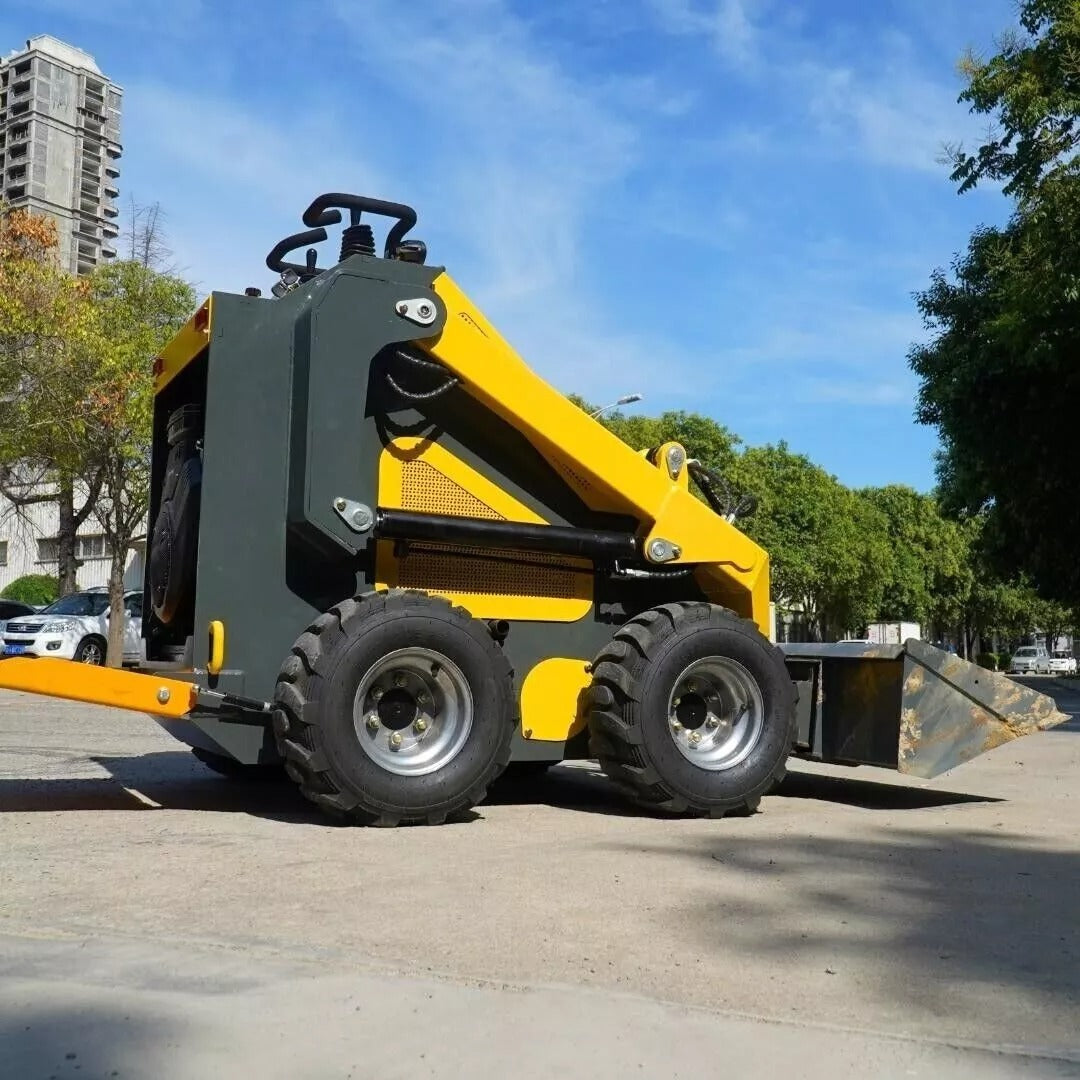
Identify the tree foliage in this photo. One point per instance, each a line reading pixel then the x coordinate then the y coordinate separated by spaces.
pixel 48 350
pixel 998 377
pixel 139 310
pixel 1031 89
pixel 34 589
pixel 827 545
pixel 931 575
pixel 76 386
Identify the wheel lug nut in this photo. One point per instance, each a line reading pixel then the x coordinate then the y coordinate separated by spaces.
pixel 421 724
pixel 395 739
pixel 399 679
pixel 422 698
pixel 376 693
pixel 712 722
pixel 373 721
pixel 695 737
pixel 676 726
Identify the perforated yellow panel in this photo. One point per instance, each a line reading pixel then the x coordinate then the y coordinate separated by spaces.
pixel 574 477
pixel 422 476
pixel 428 491
pixel 485 573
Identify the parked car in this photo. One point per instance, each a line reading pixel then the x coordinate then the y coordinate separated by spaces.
pixel 1062 663
pixel 1030 660
pixel 76 627
pixel 12 609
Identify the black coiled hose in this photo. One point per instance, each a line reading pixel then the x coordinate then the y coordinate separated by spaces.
pixel 421 364
pixel 727 506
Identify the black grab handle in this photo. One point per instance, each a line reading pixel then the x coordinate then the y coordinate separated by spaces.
pixel 276 259
pixel 325 210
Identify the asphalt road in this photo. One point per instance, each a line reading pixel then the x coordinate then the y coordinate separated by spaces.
pixel 158 921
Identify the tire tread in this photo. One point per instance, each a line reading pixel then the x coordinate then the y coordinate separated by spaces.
pixel 619 745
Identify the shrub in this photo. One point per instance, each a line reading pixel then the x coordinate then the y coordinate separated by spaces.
pixel 987 660
pixel 34 589
pixel 1004 660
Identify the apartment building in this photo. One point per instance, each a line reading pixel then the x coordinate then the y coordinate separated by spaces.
pixel 60 146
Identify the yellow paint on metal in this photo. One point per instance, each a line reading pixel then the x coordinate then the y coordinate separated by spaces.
pixel 552 699
pixel 187 343
pixel 682 477
pixel 98 686
pixel 216 659
pixel 420 475
pixel 609 474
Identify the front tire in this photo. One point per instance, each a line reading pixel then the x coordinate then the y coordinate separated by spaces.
pixel 395 708
pixel 692 711
pixel 90 651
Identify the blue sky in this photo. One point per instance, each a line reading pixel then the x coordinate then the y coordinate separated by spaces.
pixel 724 205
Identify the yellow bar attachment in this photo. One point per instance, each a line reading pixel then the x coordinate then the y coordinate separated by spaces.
pixel 113 687
pixel 217 647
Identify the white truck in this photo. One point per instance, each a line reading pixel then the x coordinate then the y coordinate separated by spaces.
pixel 893 633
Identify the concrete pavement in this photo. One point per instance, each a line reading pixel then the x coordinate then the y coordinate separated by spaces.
pixel 165 922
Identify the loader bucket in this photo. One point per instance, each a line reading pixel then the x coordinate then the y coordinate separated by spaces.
pixel 907 707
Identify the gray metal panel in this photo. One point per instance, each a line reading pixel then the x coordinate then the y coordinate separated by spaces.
pixel 855 650
pixel 954 710
pixel 914 708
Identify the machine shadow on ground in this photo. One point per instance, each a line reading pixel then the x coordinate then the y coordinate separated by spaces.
pixel 174 780
pixel 930 913
pixel 82 1041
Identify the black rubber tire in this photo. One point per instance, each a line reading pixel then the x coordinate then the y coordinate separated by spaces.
pixel 84 649
pixel 229 767
pixel 313 722
pixel 627 703
pixel 175 540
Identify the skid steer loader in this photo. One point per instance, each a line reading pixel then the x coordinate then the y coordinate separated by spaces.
pixel 387 554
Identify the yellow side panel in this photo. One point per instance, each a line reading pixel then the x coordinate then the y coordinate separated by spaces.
pixel 608 473
pixel 187 343
pixel 98 686
pixel 552 699
pixel 422 476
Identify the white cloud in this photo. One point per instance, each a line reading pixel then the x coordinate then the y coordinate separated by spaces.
pixel 503 152
pixel 855 392
pixel 895 117
pixel 728 25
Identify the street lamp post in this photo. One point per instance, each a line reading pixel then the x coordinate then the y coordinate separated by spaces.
pixel 627 399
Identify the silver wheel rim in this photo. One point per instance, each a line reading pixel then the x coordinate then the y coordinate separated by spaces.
pixel 413 712
pixel 716 713
pixel 92 654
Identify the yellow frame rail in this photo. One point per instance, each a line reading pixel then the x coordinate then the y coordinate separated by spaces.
pixel 113 687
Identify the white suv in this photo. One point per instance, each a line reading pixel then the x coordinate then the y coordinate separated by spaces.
pixel 1062 663
pixel 76 627
pixel 1030 660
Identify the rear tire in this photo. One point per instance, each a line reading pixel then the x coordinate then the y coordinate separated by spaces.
pixel 692 711
pixel 359 684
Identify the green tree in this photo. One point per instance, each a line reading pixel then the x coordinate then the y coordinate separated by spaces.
pixel 932 576
pixel 998 378
pixel 77 390
pixel 828 546
pixel 34 589
pixel 47 355
pixel 1031 88
pixel 710 442
pixel 138 311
